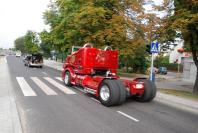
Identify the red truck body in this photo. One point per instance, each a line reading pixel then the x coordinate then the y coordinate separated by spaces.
pixel 95 70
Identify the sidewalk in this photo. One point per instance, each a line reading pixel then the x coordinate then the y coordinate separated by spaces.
pixel 9 119
pixel 54 64
pixel 167 83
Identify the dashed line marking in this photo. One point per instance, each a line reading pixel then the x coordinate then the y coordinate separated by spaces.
pixel 128 116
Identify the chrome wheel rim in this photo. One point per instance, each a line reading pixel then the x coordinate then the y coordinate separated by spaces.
pixel 104 93
pixel 66 78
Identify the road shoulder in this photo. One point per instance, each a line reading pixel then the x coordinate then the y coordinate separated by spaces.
pixel 9 119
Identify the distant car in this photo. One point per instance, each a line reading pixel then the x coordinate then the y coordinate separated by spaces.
pixel 33 60
pixel 18 54
pixel 162 70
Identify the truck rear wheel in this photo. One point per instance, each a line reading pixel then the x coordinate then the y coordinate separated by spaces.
pixel 122 92
pixel 111 93
pixel 149 91
pixel 67 78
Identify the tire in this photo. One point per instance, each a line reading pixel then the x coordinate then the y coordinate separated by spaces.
pixel 149 91
pixel 110 93
pixel 122 90
pixel 67 78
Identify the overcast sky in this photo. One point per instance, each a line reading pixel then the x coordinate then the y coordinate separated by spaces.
pixel 18 16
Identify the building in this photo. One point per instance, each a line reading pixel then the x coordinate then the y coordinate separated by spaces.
pixel 189 69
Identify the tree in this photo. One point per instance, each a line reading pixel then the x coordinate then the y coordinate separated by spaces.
pixel 124 25
pixel 184 21
pixel 31 42
pixel 46 43
pixel 19 44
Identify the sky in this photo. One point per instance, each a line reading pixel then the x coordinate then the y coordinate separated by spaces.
pixel 18 16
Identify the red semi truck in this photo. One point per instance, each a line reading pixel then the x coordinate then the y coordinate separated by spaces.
pixel 95 70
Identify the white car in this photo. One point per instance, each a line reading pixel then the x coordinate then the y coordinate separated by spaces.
pixel 18 54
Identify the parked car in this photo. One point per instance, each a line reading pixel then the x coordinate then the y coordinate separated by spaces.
pixel 162 70
pixel 33 60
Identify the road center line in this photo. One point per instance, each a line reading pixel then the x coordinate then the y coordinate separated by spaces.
pixel 128 116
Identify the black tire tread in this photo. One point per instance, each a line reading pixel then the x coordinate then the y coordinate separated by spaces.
pixel 150 91
pixel 114 93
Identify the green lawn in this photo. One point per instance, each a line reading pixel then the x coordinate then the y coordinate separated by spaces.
pixel 184 94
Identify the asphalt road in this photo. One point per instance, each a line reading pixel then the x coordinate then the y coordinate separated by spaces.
pixel 46 106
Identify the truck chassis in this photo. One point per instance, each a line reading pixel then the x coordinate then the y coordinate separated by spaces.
pixel 95 70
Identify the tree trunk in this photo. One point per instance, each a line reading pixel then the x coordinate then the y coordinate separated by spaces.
pixel 195 88
pixel 194 55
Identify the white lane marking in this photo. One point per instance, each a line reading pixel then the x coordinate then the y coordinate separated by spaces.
pixel 43 86
pixel 95 100
pixel 44 73
pixel 26 89
pixel 59 86
pixel 59 78
pixel 128 116
pixel 5 60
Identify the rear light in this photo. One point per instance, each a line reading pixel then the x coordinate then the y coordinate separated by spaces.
pixel 138 86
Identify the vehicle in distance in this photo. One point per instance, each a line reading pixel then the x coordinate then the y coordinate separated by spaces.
pixel 95 70
pixel 33 60
pixel 18 54
pixel 162 70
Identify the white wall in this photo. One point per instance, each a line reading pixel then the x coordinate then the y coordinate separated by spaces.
pixel 174 55
pixel 189 70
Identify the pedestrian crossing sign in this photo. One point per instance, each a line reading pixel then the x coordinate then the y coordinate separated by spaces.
pixel 155 47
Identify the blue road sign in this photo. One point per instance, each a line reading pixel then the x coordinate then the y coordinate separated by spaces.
pixel 155 47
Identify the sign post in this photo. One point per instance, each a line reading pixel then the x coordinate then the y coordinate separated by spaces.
pixel 154 49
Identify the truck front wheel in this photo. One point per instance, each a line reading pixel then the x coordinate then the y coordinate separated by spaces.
pixel 67 78
pixel 110 93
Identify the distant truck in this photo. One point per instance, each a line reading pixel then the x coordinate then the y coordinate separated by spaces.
pixel 18 54
pixel 95 70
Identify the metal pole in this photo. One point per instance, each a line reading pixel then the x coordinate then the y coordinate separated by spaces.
pixel 178 67
pixel 151 74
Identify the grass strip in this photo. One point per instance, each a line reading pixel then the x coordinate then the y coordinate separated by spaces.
pixel 180 93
